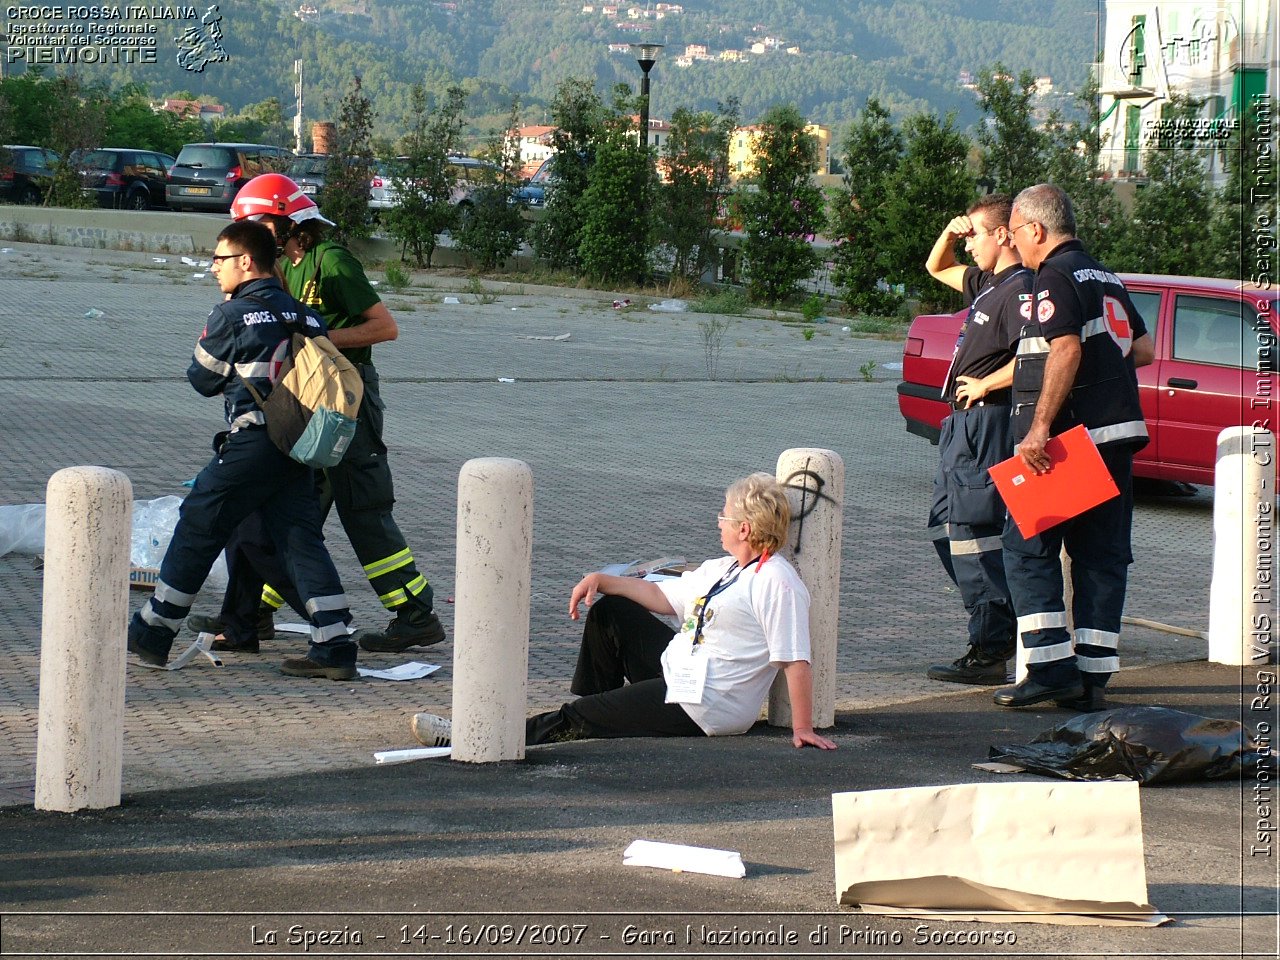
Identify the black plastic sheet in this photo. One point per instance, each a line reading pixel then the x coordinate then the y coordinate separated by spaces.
pixel 1153 745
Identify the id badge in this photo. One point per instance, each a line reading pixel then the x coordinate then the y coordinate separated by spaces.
pixel 686 673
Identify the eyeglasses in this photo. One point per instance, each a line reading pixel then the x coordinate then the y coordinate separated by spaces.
pixel 225 256
pixel 721 518
pixel 1014 230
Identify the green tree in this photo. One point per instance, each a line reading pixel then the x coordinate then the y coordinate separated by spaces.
pixel 618 202
pixel 932 181
pixel 781 209
pixel 29 103
pixel 1167 233
pixel 344 198
pixel 872 150
pixel 75 125
pixel 578 116
pixel 1014 152
pixel 1074 166
pixel 493 230
pixel 695 161
pixel 424 180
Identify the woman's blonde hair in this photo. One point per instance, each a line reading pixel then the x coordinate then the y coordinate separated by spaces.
pixel 762 501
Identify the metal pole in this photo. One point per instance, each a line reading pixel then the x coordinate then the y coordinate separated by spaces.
pixel 644 104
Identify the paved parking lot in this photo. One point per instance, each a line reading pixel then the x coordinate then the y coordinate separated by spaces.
pixel 630 444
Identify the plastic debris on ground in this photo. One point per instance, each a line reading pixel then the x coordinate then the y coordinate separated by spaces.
pixel 506 379
pixel 670 306
pixel 451 300
pixel 159 260
pixel 892 366
pixel 388 757
pixel 197 276
pixel 190 263
pixel 680 858
pixel 560 339
pixel 1153 745
pixel 93 313
pixel 619 304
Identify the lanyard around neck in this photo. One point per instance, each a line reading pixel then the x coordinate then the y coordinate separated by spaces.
pixel 721 585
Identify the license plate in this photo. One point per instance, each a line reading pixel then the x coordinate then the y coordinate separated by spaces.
pixel 308 188
pixel 197 191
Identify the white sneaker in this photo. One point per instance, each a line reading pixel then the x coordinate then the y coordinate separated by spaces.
pixel 432 731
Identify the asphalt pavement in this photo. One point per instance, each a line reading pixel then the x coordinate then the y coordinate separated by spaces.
pixel 252 803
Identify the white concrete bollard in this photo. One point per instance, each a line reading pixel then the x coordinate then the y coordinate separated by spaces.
pixel 80 738
pixel 1242 591
pixel 491 604
pixel 815 486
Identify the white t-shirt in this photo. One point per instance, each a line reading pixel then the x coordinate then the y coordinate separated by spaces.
pixel 759 621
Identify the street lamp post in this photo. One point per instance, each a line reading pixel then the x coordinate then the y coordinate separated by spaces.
pixel 646 55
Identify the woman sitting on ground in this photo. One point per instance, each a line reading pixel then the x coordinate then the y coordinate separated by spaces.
pixel 742 618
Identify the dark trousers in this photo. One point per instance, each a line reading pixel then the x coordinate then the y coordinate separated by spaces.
pixel 966 521
pixel 1097 542
pixel 618 681
pixel 360 488
pixel 253 561
pixel 249 475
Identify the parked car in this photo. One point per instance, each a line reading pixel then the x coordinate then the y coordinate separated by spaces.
pixel 207 176
pixel 534 193
pixel 1215 367
pixel 25 173
pixel 307 170
pixel 125 179
pixel 469 173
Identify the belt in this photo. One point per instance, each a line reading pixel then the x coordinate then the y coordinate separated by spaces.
pixel 956 405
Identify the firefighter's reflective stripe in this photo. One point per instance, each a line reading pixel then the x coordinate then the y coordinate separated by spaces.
pixel 167 594
pixel 384 566
pixel 1129 430
pixel 1097 638
pixel 1103 665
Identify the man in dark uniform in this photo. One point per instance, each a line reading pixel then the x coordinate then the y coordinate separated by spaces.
pixel 325 276
pixel 967 515
pixel 245 340
pixel 1075 365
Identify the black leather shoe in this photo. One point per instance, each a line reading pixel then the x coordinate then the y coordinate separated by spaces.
pixel 1092 701
pixel 973 667
pixel 1027 692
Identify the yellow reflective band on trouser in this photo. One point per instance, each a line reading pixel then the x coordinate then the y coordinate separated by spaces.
pixel 270 598
pixel 399 597
pixel 384 566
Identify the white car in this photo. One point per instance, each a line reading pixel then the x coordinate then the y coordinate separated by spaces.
pixel 470 173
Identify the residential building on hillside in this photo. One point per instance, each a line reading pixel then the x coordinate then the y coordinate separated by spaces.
pixel 743 144
pixel 1220 51
pixel 532 145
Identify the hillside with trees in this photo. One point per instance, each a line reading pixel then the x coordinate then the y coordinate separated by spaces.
pixel 907 54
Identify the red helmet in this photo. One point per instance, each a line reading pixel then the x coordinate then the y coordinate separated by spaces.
pixel 274 193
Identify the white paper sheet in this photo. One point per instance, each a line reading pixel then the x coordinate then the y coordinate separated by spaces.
pixel 681 858
pixel 413 670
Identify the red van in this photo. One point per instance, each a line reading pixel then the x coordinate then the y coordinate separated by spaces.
pixel 1215 367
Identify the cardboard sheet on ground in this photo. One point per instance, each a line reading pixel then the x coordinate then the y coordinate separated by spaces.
pixel 1066 853
pixel 684 859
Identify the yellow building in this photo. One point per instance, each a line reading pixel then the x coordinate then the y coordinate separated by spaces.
pixel 743 143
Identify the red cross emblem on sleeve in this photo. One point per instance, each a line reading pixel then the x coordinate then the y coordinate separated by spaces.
pixel 1118 323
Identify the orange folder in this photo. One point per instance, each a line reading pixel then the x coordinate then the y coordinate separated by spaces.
pixel 1077 480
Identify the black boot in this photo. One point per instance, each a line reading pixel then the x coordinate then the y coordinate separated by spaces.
pixel 974 667
pixel 411 627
